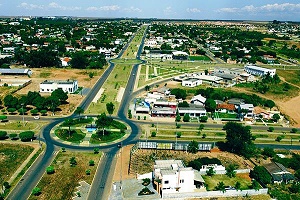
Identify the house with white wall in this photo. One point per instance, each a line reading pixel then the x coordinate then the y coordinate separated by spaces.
pixel 69 86
pixel 191 82
pixel 173 177
pixel 193 111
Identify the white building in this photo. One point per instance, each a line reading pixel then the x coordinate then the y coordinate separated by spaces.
pixel 198 100
pixel 193 111
pixel 217 168
pixel 191 82
pixel 69 86
pixel 249 108
pixel 259 71
pixel 174 176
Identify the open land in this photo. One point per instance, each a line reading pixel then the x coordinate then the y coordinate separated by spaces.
pixel 66 176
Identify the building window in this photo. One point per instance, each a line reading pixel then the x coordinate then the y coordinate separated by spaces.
pixel 166 182
pixel 181 181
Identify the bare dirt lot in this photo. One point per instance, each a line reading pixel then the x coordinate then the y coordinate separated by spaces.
pixel 82 76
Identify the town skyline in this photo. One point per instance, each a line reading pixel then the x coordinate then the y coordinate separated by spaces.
pixel 190 9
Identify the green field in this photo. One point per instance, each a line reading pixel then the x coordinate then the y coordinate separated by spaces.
pixel 215 179
pixel 75 136
pixel 204 58
pixel 98 138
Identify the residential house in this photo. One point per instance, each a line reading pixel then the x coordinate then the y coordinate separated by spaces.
pixel 164 109
pixel 65 61
pixel 171 176
pixel 225 108
pixel 69 86
pixel 261 113
pixel 279 173
pixel 198 100
pixel 193 111
pixel 191 82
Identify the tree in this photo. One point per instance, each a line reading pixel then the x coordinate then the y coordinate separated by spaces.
pixel 276 117
pixel 178 118
pixel 6 185
pixel 3 135
pixel 269 152
pixel 79 110
pixel 193 147
pixel 295 187
pixel 52 102
pixel 184 104
pixel 261 174
pixel 270 104
pixel 271 129
pixel 68 122
pixel 91 163
pixel 255 185
pixel 96 150
pixel 210 172
pixel 230 170
pixel 186 117
pixel 210 105
pixel 178 134
pixel 147 87
pixel 50 170
pixel 26 136
pixel 34 111
pixel 201 127
pixel 60 95
pixel 73 161
pixel 79 60
pixel 195 164
pixel 13 136
pixel 11 110
pixel 153 134
pixel 22 111
pixel 88 172
pixel 237 185
pixel 110 107
pixel 179 93
pixel 294 130
pixel 36 191
pixel 221 186
pixel 239 139
pixel 103 121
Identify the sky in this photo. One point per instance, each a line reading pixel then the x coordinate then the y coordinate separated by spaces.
pixel 261 10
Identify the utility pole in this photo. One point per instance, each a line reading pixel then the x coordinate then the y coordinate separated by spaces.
pixel 23 113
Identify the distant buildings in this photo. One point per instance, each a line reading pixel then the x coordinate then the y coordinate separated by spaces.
pixel 69 86
pixel 15 72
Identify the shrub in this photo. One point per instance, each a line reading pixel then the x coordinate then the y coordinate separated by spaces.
pixel 50 170
pixel 145 117
pixel 13 136
pixel 271 129
pixel 26 136
pixel 96 150
pixel 146 181
pixel 63 149
pixel 88 172
pixel 203 119
pixel 145 191
pixel 73 161
pixel 6 185
pixel 36 191
pixel 139 117
pixel 178 134
pixel 204 136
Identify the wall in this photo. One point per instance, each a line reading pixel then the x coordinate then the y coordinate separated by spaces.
pixel 228 193
pixel 238 171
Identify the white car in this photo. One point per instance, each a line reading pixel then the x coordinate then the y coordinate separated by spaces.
pixel 36 117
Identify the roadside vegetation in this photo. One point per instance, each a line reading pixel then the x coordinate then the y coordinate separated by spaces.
pixel 69 168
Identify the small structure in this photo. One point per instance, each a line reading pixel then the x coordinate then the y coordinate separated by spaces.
pixel 14 72
pixel 69 86
pixel 215 167
pixel 191 82
pixel 226 108
pixel 259 71
pixel 249 108
pixel 279 173
pixel 198 100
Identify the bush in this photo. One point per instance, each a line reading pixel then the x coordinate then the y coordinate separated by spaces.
pixel 73 161
pixel 178 134
pixel 279 138
pixel 145 191
pixel 3 135
pixel 146 181
pixel 50 170
pixel 186 118
pixel 96 150
pixel 6 185
pixel 88 172
pixel 203 119
pixel 153 134
pixel 36 191
pixel 26 136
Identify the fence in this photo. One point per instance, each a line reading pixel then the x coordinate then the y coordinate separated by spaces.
pixel 238 171
pixel 172 146
pixel 210 194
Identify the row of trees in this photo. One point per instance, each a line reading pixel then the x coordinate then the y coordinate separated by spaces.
pixel 51 102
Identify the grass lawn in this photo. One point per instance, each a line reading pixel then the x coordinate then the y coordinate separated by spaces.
pixel 18 125
pixel 199 58
pixel 98 138
pixel 11 157
pixel 62 184
pixel 292 76
pixel 213 181
pixel 226 115
pixel 76 135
